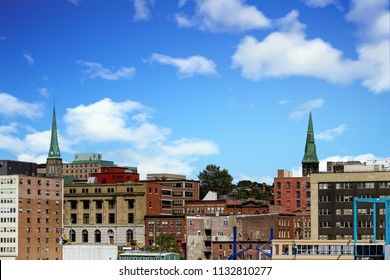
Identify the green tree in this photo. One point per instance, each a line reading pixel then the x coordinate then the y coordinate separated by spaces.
pixel 212 178
pixel 167 243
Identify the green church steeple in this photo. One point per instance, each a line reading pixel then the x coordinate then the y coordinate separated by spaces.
pixel 310 161
pixel 54 150
pixel 54 160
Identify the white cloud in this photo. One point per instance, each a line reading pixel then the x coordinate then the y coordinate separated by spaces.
pixel 187 67
pixel 96 70
pixel 182 3
pixel 284 101
pixel 330 134
pixel 304 108
pixel 297 171
pixel 107 120
pixel 372 18
pixel 224 16
pixel 269 180
pixel 319 3
pixel 142 9
pixel 75 2
pixel 189 147
pixel 11 106
pixel 289 53
pixel 44 92
pixel 29 58
pixel 122 131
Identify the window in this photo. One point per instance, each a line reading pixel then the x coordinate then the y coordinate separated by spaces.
pixel 86 219
pixel 98 236
pixel 99 204
pixel 99 218
pixel 130 218
pixel 225 222
pixel 288 185
pixel 84 234
pixel 130 204
pixel 178 223
pixel 85 204
pixel 73 218
pixel 111 218
pixel 73 204
pixel 111 204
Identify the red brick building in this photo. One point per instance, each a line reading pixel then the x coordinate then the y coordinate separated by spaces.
pixel 166 200
pixel 293 193
pixel 31 218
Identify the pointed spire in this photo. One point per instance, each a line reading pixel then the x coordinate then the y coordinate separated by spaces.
pixel 54 150
pixel 310 148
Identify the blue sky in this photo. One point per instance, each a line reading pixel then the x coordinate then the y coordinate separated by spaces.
pixel 174 85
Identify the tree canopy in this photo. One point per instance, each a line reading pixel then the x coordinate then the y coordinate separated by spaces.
pixel 212 178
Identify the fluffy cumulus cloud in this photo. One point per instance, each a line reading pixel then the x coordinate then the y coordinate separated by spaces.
pixel 223 16
pixel 187 67
pixel 11 106
pixel 138 141
pixel 288 52
pixel 96 70
pixel 121 130
pixel 142 9
pixel 372 18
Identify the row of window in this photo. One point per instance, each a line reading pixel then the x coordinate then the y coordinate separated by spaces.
pixel 39 182
pixel 7 240
pixel 47 230
pixel 99 218
pixel 39 192
pixel 164 223
pixel 7 210
pixel 288 185
pixel 297 194
pixel 297 203
pixel 151 233
pixel 8 220
pixel 39 202
pixel 39 220
pixel 47 211
pixel 205 210
pixel 99 204
pixel 349 185
pixel 98 236
pixel 7 190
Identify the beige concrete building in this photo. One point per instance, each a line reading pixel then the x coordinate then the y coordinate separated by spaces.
pixel 105 213
pixel 332 204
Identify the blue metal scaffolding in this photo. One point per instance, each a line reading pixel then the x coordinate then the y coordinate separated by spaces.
pixel 372 250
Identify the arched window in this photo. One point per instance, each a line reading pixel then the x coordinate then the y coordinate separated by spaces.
pixel 110 234
pixel 84 234
pixel 98 236
pixel 72 235
pixel 129 236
